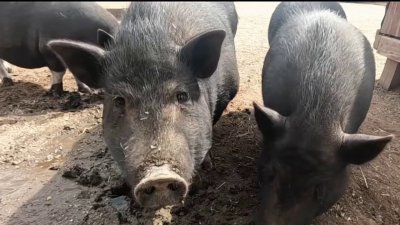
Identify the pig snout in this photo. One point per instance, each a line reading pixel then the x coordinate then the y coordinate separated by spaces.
pixel 161 187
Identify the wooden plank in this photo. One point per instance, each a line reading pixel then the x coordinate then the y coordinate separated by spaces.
pixel 391 22
pixel 385 23
pixel 390 77
pixel 377 39
pixel 395 28
pixel 389 47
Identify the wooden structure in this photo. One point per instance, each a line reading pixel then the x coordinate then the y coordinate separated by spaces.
pixel 387 43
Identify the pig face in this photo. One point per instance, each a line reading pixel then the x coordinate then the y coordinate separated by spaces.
pixel 301 176
pixel 157 120
pixel 297 183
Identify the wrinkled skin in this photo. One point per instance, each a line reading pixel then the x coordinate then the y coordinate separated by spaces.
pixel 318 80
pixel 168 72
pixel 26 27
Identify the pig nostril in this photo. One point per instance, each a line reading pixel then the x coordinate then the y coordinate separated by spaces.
pixel 173 186
pixel 149 190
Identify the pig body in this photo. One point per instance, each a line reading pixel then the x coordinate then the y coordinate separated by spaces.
pixel 232 16
pixel 317 84
pixel 26 27
pixel 285 9
pixel 168 73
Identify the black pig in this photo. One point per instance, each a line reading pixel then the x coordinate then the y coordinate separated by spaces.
pixel 317 84
pixel 26 27
pixel 168 74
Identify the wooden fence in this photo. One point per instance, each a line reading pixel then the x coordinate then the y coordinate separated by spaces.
pixel 387 43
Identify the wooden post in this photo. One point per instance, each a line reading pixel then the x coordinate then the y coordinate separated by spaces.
pixel 390 77
pixel 387 43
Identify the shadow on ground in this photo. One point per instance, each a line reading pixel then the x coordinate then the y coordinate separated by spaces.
pixel 28 99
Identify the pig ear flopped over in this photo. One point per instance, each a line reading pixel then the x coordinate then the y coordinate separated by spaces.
pixel 202 53
pixel 104 39
pixel 269 121
pixel 361 148
pixel 83 60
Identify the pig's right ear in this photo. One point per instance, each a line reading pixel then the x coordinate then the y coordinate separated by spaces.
pixel 83 60
pixel 269 121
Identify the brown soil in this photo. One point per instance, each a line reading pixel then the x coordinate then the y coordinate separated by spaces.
pixel 55 167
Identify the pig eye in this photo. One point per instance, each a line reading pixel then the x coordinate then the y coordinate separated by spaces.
pixel 182 97
pixel 119 102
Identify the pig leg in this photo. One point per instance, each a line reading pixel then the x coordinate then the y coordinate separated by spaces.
pixel 57 69
pixel 82 87
pixel 6 78
pixel 57 86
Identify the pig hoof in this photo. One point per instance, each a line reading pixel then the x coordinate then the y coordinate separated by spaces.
pixel 99 91
pixel 86 90
pixel 56 90
pixel 7 82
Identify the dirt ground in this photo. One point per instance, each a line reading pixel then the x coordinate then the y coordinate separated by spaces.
pixel 55 167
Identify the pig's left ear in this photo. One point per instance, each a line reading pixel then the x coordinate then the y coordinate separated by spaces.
pixel 82 59
pixel 104 39
pixel 361 148
pixel 202 53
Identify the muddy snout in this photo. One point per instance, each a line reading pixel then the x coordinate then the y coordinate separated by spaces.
pixel 161 187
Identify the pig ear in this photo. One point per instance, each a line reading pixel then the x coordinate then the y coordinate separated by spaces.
pixel 202 53
pixel 104 39
pixel 83 60
pixel 269 121
pixel 361 148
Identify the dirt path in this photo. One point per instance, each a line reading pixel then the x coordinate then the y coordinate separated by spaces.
pixel 55 168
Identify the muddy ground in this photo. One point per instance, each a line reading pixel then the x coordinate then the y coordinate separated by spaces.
pixel 55 167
